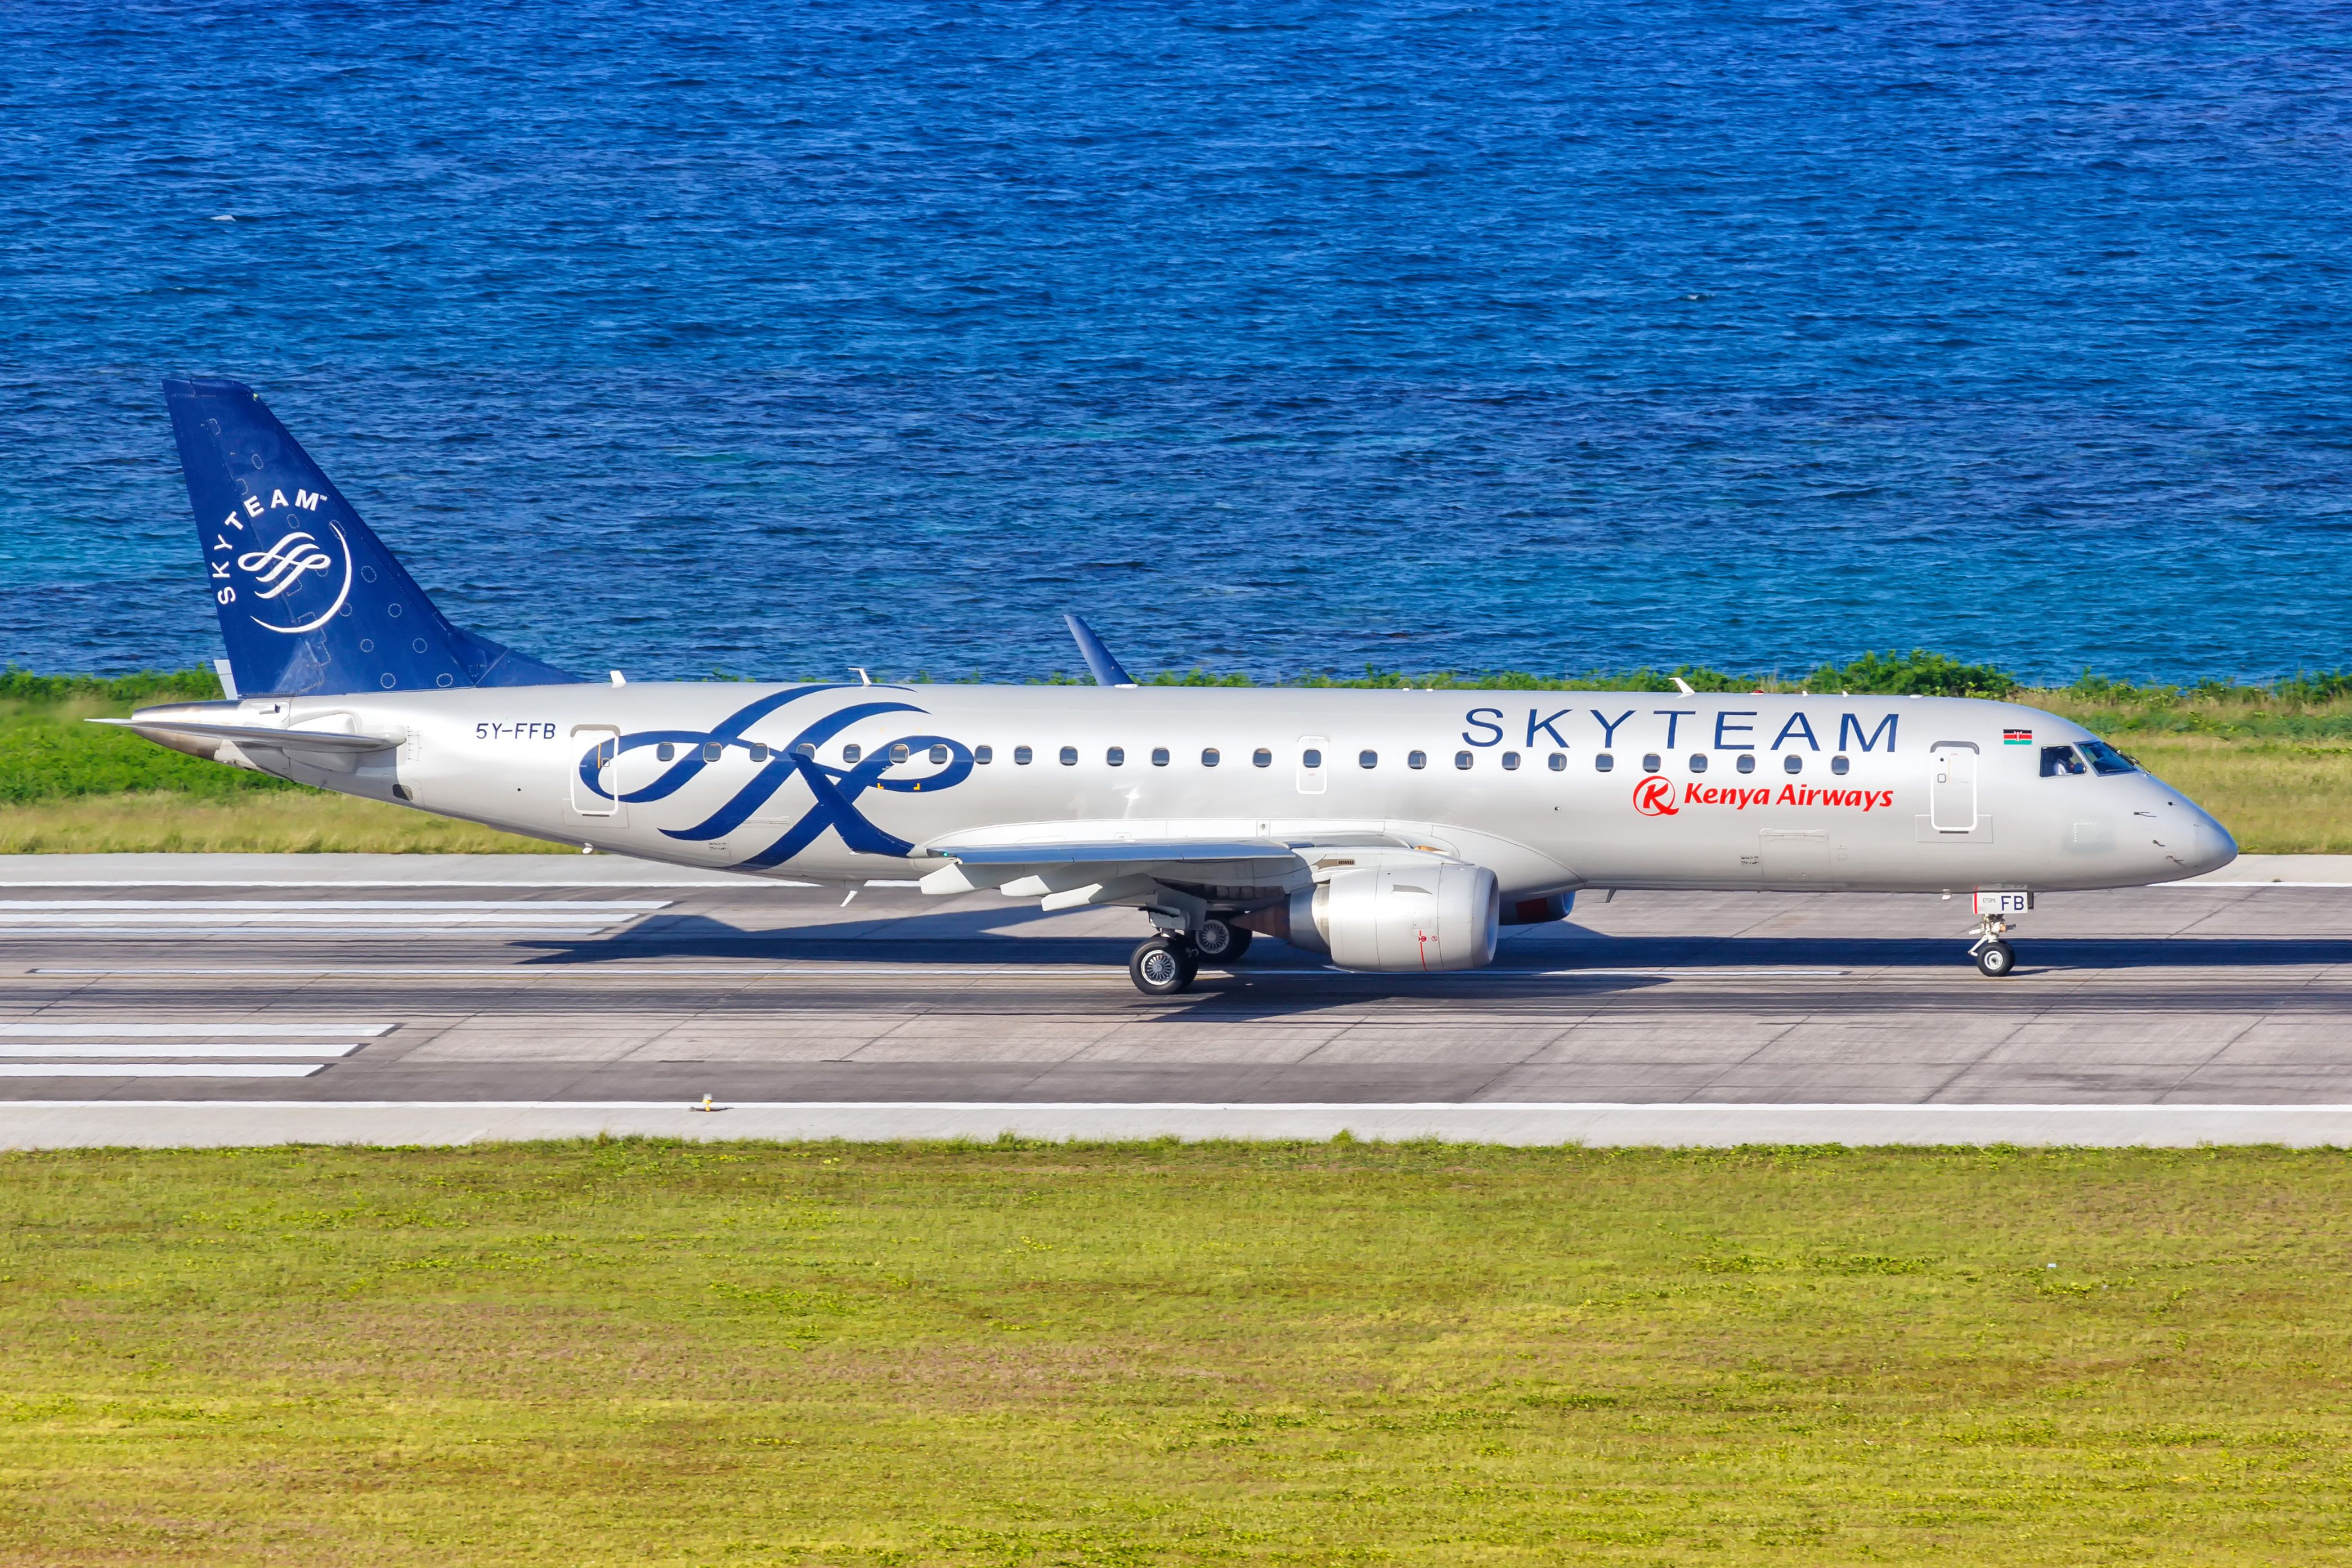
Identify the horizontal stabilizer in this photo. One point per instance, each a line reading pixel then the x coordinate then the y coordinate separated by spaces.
pixel 259 735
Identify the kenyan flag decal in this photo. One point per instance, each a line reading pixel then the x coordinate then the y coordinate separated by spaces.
pixel 2017 737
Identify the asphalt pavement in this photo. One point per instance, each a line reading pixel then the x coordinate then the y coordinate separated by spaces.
pixel 220 998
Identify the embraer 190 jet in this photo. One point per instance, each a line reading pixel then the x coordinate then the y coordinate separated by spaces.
pixel 1385 831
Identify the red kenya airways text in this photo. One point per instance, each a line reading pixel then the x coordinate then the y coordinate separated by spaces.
pixel 1655 797
pixel 1790 795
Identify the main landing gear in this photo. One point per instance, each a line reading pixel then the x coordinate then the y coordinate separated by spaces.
pixel 1168 963
pixel 1164 966
pixel 1992 953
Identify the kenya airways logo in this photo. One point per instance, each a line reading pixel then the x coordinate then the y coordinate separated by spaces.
pixel 1655 797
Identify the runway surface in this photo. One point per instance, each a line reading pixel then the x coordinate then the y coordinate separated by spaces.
pixel 252 987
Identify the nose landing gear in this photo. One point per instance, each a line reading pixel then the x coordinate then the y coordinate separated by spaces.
pixel 1992 953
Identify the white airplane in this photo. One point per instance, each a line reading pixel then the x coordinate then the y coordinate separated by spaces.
pixel 1387 830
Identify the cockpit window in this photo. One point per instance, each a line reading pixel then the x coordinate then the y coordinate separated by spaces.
pixel 2106 758
pixel 2058 761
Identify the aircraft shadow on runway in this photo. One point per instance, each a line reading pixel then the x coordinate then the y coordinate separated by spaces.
pixel 1562 950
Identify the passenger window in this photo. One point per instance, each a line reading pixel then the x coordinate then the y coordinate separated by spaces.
pixel 984 754
pixel 759 751
pixel 1210 756
pixel 1116 757
pixel 851 753
pixel 1159 756
pixel 1261 757
pixel 1560 762
pixel 938 753
pixel 1603 762
pixel 1698 762
pixel 665 752
pixel 2059 762
pixel 805 749
pixel 1069 756
pixel 1838 766
pixel 1461 760
pixel 1021 756
pixel 712 750
pixel 897 753
pixel 2105 759
pixel 1368 759
pixel 1649 762
pixel 1746 763
pixel 1310 758
pixel 1510 761
pixel 1794 764
pixel 1416 760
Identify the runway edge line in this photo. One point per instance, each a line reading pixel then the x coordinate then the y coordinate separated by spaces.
pixel 159 1124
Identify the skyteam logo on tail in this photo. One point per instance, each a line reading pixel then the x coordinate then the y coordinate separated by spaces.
pixel 833 791
pixel 276 571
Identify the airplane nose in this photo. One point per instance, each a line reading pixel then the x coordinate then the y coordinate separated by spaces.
pixel 2214 848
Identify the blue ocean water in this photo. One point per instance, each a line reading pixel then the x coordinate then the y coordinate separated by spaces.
pixel 1272 336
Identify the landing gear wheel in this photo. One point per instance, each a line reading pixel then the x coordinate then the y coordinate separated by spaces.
pixel 1162 967
pixel 1996 959
pixel 1219 942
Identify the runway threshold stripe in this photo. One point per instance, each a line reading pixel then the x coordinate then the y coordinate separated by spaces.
pixel 155 1069
pixel 37 1030
pixel 172 1049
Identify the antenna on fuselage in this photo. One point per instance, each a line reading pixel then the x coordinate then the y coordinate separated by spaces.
pixel 1682 685
pixel 1099 663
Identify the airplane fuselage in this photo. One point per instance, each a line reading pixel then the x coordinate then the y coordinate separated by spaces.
pixel 1552 791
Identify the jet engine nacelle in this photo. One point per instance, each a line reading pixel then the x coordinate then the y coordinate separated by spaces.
pixel 1395 918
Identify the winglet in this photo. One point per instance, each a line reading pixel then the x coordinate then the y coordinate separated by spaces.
pixel 1105 669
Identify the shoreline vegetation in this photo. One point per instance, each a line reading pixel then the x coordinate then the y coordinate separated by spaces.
pixel 630 1351
pixel 2273 760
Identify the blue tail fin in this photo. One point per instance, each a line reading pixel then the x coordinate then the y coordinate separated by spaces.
pixel 311 601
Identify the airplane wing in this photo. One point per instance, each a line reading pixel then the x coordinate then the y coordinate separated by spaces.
pixel 1153 869
pixel 250 735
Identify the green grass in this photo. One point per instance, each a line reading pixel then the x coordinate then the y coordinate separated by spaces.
pixel 2272 762
pixel 1152 1354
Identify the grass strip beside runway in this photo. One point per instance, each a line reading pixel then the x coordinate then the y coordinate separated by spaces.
pixel 643 1352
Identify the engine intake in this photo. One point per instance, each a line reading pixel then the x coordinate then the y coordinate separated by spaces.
pixel 1392 919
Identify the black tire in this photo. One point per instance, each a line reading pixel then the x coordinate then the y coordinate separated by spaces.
pixel 1995 959
pixel 1162 967
pixel 1219 942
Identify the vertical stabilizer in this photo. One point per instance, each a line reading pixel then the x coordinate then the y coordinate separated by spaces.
pixel 309 600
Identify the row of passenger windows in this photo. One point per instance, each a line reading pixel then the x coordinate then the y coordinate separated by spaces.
pixel 1116 757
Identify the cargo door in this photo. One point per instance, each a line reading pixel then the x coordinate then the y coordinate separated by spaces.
pixel 1789 855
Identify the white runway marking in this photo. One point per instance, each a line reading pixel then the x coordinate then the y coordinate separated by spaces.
pixel 175 1048
pixel 38 1030
pixel 63 1124
pixel 155 1069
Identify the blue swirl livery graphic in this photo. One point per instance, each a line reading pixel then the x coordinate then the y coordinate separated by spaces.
pixel 833 791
